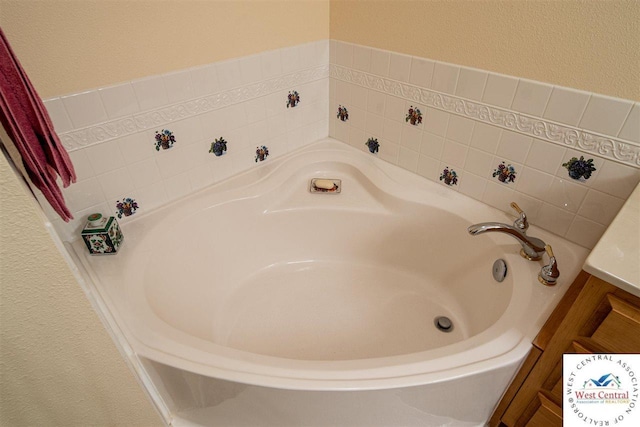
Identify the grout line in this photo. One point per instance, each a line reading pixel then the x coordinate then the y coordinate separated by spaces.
pixel 624 122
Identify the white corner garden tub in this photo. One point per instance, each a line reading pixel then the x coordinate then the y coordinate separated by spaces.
pixel 321 307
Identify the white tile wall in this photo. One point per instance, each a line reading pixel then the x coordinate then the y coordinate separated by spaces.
pixel 428 166
pixel 58 114
pixel 460 129
pixel 617 180
pixel 150 92
pixel 435 121
pixel 375 101
pixel 119 100
pixel 479 162
pixel 473 185
pixel 229 74
pixel 127 116
pixel 486 137
pixel 454 154
pixel 291 59
pixel 344 55
pixel 545 157
pixel 82 165
pixel 554 219
pixel 432 145
pixel 631 128
pixel 471 83
pixel 104 158
pixel 392 107
pixel 411 138
pixel 445 77
pixel 178 86
pixel 362 58
pixel 500 90
pixel 379 61
pixel 399 67
pixel 605 115
pixel 531 97
pixel 514 146
pixel 123 161
pixel 205 79
pixel 566 194
pixel 421 72
pixel 251 69
pixel 566 105
pixel 533 182
pixel 85 109
pixel 450 136
pixel 585 232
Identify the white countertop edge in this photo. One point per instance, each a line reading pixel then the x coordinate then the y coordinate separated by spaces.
pixel 616 256
pixel 614 280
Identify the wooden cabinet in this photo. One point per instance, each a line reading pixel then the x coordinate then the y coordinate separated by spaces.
pixel 593 317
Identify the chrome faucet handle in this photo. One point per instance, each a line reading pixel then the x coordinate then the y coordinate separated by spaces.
pixel 520 223
pixel 549 273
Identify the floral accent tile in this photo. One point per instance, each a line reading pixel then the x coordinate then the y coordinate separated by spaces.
pixel 218 147
pixel 414 116
pixel 293 99
pixel 580 169
pixel 449 176
pixel 164 139
pixel 373 145
pixel 505 173
pixel 261 153
pixel 126 207
pixel 343 114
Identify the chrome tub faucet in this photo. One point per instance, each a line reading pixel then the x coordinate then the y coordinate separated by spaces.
pixel 532 247
pixel 549 273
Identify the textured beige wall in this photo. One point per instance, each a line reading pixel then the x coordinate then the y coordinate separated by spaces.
pixel 58 365
pixel 591 45
pixel 68 46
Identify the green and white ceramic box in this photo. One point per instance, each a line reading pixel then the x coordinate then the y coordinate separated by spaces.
pixel 102 235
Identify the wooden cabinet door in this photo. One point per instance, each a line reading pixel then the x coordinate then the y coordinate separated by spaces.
pixel 603 319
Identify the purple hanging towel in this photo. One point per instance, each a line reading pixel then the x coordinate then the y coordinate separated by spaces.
pixel 27 123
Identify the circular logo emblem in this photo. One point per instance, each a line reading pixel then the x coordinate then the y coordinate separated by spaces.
pixel 601 389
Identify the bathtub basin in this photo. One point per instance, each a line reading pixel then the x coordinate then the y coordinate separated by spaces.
pixel 256 280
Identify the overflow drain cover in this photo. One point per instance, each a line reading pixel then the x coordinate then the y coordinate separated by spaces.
pixel 444 324
pixel 499 270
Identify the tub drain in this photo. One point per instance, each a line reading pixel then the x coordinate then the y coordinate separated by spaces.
pixel 443 323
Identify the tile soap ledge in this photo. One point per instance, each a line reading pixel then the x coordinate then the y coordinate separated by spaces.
pixel 616 256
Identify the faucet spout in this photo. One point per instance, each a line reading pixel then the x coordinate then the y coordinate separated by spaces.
pixel 532 247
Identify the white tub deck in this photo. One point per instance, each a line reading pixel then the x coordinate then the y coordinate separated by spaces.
pixel 258 281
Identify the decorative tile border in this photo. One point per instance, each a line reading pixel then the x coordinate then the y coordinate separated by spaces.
pixel 604 146
pixel 80 138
